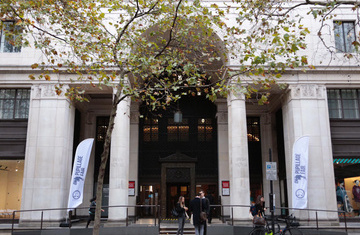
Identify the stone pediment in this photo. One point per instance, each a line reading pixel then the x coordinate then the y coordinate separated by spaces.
pixel 177 157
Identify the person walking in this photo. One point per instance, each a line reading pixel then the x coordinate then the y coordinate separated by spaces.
pixel 92 211
pixel 194 208
pixel 181 209
pixel 260 205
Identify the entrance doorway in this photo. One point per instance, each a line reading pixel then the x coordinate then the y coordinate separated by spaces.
pixel 174 191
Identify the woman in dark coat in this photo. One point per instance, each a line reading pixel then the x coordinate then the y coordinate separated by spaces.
pixel 260 205
pixel 181 209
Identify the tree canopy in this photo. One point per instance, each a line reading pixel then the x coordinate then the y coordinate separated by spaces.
pixel 158 50
pixel 106 42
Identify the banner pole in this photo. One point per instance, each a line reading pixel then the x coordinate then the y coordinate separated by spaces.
pixel 271 197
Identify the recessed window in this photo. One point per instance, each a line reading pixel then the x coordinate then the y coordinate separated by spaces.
pixel 344 36
pixel 14 103
pixel 178 132
pixel 343 103
pixel 253 129
pixel 205 129
pixel 101 128
pixel 9 36
pixel 151 129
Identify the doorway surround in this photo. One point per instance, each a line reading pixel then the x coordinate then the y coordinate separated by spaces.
pixel 176 168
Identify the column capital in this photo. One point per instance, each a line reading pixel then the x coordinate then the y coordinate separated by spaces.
pixel 222 111
pixel 134 112
pixel 306 91
pixel 46 91
pixel 235 95
pixel 266 119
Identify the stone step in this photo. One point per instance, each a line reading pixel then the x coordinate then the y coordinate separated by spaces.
pixel 173 230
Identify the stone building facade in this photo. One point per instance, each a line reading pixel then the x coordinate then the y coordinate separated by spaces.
pixel 220 144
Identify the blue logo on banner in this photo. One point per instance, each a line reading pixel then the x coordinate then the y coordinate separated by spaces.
pixel 300 193
pixel 77 179
pixel 298 178
pixel 76 194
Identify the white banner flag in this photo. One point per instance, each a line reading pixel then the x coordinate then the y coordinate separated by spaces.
pixel 300 172
pixel 81 163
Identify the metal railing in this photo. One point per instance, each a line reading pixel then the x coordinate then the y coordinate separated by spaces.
pixel 316 214
pixel 157 217
pixel 288 209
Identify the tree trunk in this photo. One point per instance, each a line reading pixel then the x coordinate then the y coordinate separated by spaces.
pixel 104 159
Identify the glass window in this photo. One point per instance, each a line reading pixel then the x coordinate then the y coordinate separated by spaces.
pixel 253 129
pixel 101 129
pixel 205 129
pixel 334 103
pixel 14 103
pixel 344 36
pixel 11 178
pixel 343 103
pixel 178 132
pixel 347 184
pixel 350 104
pixel 8 37
pixel 151 129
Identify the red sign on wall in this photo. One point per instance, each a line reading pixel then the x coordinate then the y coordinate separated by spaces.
pixel 131 188
pixel 225 184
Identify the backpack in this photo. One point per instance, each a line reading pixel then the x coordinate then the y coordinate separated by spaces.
pixel 175 213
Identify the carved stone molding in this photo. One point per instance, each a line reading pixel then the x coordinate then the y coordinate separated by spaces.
pixel 46 91
pixel 180 175
pixel 222 111
pixel 134 113
pixel 35 92
pixel 222 117
pixel 306 91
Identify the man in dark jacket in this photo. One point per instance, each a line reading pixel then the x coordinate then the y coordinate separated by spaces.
pixel 194 208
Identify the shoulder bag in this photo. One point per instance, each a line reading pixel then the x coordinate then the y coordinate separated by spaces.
pixel 203 216
pixel 259 220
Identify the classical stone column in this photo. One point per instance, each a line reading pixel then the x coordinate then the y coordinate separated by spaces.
pixel 119 162
pixel 134 152
pixel 305 112
pixel 223 148
pixel 48 157
pixel 238 157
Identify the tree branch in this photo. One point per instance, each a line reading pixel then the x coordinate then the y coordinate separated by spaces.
pixel 36 27
pixel 171 30
pixel 132 19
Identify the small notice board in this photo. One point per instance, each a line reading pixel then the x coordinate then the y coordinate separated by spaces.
pixel 131 188
pixel 225 188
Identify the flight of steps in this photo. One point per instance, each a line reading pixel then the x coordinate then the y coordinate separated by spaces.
pixel 173 230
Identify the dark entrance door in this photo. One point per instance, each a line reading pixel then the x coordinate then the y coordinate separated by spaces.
pixel 173 192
